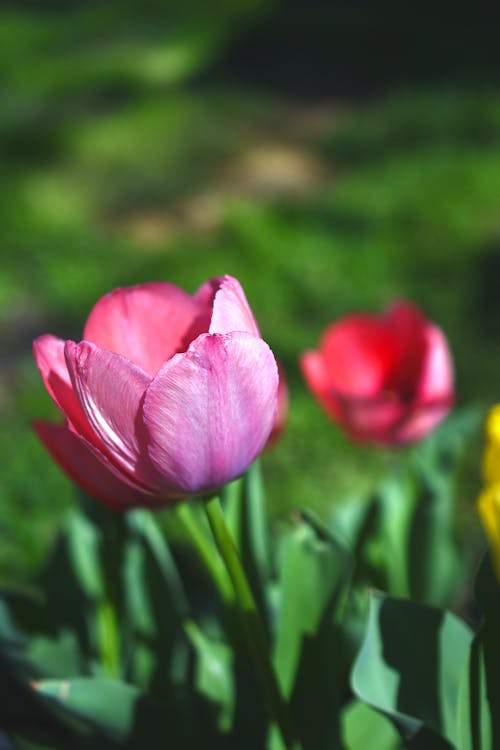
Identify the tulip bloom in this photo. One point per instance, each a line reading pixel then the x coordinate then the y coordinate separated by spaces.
pixel 168 394
pixel 385 380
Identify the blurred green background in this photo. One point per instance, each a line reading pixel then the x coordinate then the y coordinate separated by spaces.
pixel 332 156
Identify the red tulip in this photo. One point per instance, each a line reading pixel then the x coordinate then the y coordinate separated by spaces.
pixel 167 395
pixel 385 380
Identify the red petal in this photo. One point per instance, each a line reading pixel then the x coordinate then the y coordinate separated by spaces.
pixel 372 420
pixel 359 353
pixel 408 326
pixel 317 378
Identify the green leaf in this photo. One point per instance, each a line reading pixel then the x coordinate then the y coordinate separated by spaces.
pixel 73 585
pixel 352 520
pixel 144 524
pixel 474 729
pixel 214 673
pixel 24 713
pixel 314 575
pixel 39 655
pixel 104 704
pixel 403 535
pixel 410 666
pixel 363 728
pixel 245 510
pixel 435 565
pixel 443 447
pixel 397 508
pixel 155 603
pixel 108 706
pixel 114 714
pixel 482 693
pixel 84 540
pixel 54 657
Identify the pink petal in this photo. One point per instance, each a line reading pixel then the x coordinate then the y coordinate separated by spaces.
pixel 231 311
pixel 49 356
pixel 317 378
pixel 205 294
pixel 147 324
pixel 436 379
pixel 359 353
pixel 91 474
pixel 111 390
pixel 210 410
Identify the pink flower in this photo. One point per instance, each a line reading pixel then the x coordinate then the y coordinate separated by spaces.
pixel 385 380
pixel 167 395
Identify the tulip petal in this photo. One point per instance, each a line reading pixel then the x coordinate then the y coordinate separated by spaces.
pixel 372 420
pixel 147 324
pixel 209 411
pixel 317 378
pixel 93 475
pixel 49 356
pixel 360 352
pixel 230 309
pixel 111 390
pixel 409 328
pixel 436 380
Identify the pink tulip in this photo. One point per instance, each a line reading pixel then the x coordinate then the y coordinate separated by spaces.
pixel 385 380
pixel 168 394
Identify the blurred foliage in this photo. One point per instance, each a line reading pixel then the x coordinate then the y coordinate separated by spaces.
pixel 123 161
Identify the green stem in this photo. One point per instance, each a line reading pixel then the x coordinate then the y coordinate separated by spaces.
pixel 205 551
pixel 252 625
pixel 108 638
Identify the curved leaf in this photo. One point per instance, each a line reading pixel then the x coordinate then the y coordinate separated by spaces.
pixel 411 664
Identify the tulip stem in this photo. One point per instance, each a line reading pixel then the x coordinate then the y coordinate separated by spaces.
pixel 205 551
pixel 108 638
pixel 251 622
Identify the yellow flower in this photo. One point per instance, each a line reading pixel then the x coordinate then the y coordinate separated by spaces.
pixel 488 502
pixel 491 455
pixel 488 508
